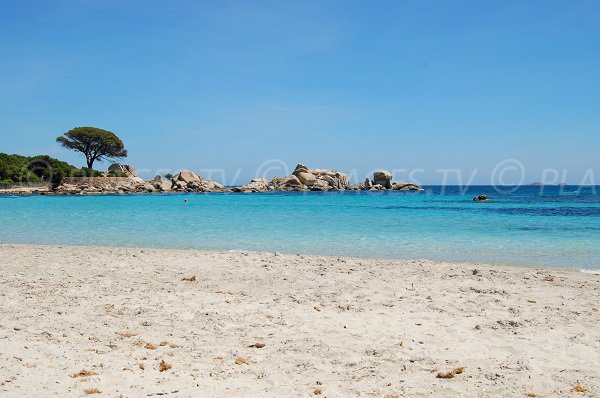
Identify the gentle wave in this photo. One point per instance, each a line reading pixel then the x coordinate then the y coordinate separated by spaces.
pixel 551 212
pixel 561 228
pixel 540 211
pixel 591 271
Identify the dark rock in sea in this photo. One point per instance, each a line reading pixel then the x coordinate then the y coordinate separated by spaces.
pixel 481 198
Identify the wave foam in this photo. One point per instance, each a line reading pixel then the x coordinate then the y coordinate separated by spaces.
pixel 591 271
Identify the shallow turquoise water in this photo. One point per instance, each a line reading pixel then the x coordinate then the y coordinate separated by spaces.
pixel 556 228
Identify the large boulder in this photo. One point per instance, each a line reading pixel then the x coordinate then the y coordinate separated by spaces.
pixel 304 175
pixel 383 178
pixel 162 185
pixel 187 177
pixel 306 178
pixel 122 169
pixel 291 181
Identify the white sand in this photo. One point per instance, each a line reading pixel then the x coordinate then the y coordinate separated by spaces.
pixel 349 327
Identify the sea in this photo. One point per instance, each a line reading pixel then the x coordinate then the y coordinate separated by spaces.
pixel 556 226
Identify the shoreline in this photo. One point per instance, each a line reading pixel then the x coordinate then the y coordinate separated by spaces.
pixel 433 261
pixel 266 324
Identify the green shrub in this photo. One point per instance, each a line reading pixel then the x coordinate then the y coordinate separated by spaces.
pixel 116 174
pixel 85 172
pixel 16 168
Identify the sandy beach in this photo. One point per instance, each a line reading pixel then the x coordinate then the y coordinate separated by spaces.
pixel 146 322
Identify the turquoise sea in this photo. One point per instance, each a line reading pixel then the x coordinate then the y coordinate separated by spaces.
pixel 531 226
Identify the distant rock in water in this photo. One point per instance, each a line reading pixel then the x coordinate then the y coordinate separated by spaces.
pixel 481 198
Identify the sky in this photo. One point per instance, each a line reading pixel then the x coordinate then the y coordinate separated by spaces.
pixel 449 92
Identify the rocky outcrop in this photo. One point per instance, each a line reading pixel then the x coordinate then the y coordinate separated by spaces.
pixel 186 181
pixel 302 179
pixel 382 180
pixel 321 179
pixel 305 179
pixel 103 185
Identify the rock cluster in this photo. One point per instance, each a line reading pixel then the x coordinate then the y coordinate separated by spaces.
pixel 382 180
pixel 103 185
pixel 302 179
pixel 186 181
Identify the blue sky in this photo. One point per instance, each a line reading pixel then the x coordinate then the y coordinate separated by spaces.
pixel 351 85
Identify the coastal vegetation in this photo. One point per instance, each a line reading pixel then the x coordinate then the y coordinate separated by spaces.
pixel 42 168
pixel 94 144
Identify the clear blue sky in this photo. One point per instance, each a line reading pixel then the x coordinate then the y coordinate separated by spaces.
pixel 334 84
